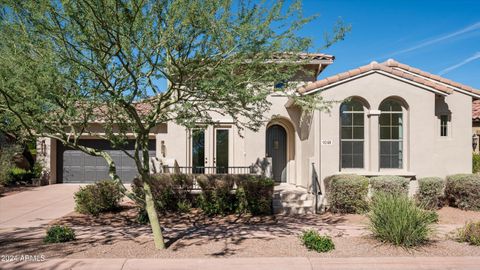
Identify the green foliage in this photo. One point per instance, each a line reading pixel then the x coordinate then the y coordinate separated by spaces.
pixel 59 234
pixel 216 197
pixel 390 184
pixel 396 219
pixel 7 151
pixel 475 162
pixel 347 193
pixel 462 191
pixel 254 195
pixel 430 192
pixel 314 241
pixel 470 233
pixel 142 216
pixel 98 198
pixel 171 192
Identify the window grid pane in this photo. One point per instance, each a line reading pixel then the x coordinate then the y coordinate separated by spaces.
pixel 352 135
pixel 391 135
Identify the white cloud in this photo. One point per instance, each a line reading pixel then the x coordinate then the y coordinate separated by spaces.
pixel 464 62
pixel 470 28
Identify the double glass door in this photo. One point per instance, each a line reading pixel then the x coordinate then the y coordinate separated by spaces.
pixel 210 150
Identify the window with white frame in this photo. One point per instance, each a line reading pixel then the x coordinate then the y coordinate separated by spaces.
pixel 444 125
pixel 352 134
pixel 391 135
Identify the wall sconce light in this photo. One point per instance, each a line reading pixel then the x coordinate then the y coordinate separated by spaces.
pixel 43 148
pixel 474 142
pixel 163 149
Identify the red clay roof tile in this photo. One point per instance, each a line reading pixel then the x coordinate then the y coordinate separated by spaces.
pixel 398 69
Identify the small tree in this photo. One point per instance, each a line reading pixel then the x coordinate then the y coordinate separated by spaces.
pixel 67 63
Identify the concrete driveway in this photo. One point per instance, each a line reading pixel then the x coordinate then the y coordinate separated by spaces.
pixel 36 207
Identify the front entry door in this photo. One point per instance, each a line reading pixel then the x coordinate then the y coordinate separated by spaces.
pixel 277 150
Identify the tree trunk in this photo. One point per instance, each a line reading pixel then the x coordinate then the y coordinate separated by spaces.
pixel 149 200
pixel 153 217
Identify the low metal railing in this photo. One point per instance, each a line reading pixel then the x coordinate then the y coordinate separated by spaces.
pixel 209 170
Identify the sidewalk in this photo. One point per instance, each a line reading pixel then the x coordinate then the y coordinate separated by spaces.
pixel 297 263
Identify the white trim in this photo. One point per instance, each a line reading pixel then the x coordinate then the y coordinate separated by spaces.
pixel 439 82
pixel 381 72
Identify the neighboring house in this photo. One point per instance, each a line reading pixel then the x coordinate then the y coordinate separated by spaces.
pixel 385 119
pixel 476 126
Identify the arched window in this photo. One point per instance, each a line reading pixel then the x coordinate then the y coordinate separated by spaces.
pixel 352 134
pixel 391 134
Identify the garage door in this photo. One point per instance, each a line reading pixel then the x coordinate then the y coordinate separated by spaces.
pixel 74 166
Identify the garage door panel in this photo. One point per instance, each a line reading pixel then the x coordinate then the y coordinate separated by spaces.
pixel 78 167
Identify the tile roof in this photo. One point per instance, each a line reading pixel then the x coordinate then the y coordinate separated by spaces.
pixel 398 69
pixel 476 110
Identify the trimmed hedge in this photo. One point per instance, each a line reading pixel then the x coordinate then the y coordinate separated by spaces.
pixel 97 198
pixel 390 184
pixel 463 191
pixel 431 192
pixel 347 193
pixel 255 195
pixel 172 193
pixel 216 197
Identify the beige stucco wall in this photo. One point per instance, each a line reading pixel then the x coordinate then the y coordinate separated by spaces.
pixel 425 152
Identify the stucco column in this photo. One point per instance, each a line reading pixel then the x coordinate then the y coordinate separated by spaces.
pixel 373 141
pixel 47 157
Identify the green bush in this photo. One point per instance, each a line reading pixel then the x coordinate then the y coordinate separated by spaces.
pixel 7 152
pixel 475 163
pixel 347 193
pixel 171 192
pixel 254 195
pixel 216 197
pixel 462 191
pixel 314 241
pixel 389 184
pixel 396 219
pixel 97 198
pixel 470 233
pixel 430 192
pixel 59 234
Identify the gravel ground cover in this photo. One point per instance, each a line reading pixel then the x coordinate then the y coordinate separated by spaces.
pixel 118 235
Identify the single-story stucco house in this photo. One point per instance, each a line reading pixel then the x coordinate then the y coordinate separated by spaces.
pixel 385 119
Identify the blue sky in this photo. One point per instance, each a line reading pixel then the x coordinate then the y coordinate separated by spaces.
pixel 440 37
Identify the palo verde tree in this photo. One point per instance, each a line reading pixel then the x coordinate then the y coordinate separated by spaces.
pixel 65 64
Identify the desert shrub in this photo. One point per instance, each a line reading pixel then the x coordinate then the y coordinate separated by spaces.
pixel 97 198
pixel 216 197
pixel 314 241
pixel 470 233
pixel 475 162
pixel 462 191
pixel 171 192
pixel 430 192
pixel 389 184
pixel 254 195
pixel 396 219
pixel 59 234
pixel 347 193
